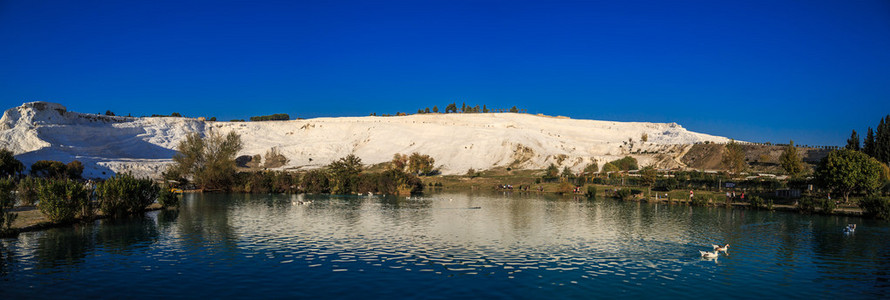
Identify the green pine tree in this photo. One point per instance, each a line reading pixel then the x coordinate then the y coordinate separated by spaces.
pixel 853 141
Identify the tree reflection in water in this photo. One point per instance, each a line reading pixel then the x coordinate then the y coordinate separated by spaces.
pixel 64 246
pixel 126 234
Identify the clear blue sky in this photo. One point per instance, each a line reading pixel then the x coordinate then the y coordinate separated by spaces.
pixel 751 70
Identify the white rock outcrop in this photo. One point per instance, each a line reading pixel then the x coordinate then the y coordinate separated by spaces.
pixel 144 146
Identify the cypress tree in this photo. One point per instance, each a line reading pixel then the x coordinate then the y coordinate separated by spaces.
pixel 853 141
pixel 868 145
pixel 882 141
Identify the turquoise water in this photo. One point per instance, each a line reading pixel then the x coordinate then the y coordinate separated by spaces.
pixel 439 246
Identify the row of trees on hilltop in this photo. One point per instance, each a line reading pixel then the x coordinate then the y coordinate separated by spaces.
pixel 464 108
pixel 453 108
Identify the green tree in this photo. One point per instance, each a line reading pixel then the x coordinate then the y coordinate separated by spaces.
pixel 176 114
pixel 552 171
pixel 644 137
pixel 626 163
pixel 344 174
pixel 9 165
pixel 648 175
pixel 868 145
pixel 791 161
pixel 399 162
pixel 848 171
pixel 485 109
pixel 28 190
pixel 49 169
pixel 109 113
pixel 567 173
pixel 209 161
pixel 853 141
pixel 167 198
pixel 61 200
pixel 610 167
pixel 124 194
pixel 591 168
pixel 514 110
pixel 7 202
pixel 316 181
pixel 882 141
pixel 733 157
pixel 420 164
pixel 451 108
pixel 435 109
pixel 74 169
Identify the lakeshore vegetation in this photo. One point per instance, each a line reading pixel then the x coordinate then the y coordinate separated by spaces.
pixel 857 175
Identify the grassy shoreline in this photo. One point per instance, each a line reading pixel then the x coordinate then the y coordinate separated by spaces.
pixel 31 219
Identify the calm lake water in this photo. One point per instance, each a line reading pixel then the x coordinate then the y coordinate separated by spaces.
pixel 447 246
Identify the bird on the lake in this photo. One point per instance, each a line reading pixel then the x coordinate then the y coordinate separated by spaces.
pixel 705 254
pixel 723 248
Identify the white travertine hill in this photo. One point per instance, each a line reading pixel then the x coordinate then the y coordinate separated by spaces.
pixel 458 142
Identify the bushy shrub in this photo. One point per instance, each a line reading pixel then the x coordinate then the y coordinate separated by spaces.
pixel 168 198
pixel 398 182
pixel 623 194
pixel 827 206
pixel 125 194
pixel 807 205
pixel 565 188
pixel 757 202
pixel 7 201
pixel 316 181
pixel 61 200
pixel 49 169
pixel 591 192
pixel 9 165
pixel 698 201
pixel 27 190
pixel 878 207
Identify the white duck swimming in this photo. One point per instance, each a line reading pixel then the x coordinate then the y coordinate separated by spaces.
pixel 705 254
pixel 723 248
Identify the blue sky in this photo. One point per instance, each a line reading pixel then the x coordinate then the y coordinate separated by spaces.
pixel 751 70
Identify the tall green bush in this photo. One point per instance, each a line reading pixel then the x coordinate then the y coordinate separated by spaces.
pixel 123 194
pixel 878 207
pixel 28 190
pixel 9 165
pixel 168 198
pixel 61 200
pixel 807 205
pixel 827 206
pixel 7 202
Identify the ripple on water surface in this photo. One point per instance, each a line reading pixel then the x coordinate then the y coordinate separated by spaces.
pixel 514 246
